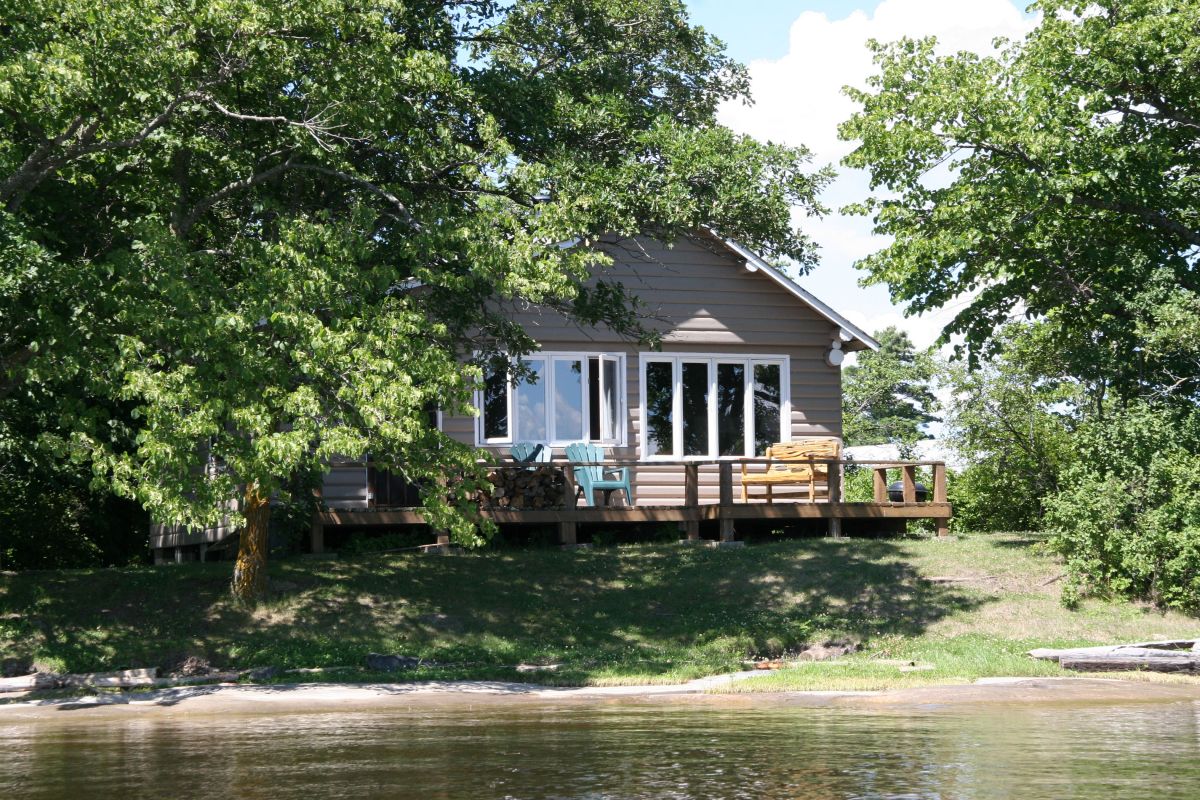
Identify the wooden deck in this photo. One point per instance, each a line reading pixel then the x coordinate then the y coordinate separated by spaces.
pixel 726 512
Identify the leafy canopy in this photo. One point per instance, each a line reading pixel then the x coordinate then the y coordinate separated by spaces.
pixel 1057 180
pixel 240 237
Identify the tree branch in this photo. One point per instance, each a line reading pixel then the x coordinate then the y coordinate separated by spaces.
pixel 187 221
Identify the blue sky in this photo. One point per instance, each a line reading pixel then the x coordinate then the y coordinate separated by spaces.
pixel 801 53
pixel 755 29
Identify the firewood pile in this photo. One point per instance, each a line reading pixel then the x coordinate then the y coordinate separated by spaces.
pixel 521 488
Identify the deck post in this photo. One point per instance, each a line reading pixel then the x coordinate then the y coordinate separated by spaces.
pixel 568 529
pixel 572 498
pixel 834 481
pixel 725 512
pixel 317 535
pixel 691 499
pixel 881 482
pixel 940 496
pixel 910 483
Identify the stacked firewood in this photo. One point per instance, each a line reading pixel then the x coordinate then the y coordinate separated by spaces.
pixel 521 487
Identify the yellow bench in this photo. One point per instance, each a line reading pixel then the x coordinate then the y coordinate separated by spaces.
pixel 792 464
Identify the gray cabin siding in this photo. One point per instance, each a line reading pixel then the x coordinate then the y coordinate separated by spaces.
pixel 708 303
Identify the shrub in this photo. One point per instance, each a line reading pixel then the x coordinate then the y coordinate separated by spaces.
pixel 1127 518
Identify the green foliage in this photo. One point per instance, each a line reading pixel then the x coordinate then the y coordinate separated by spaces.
pixel 886 397
pixel 1057 180
pixel 1127 519
pixel 238 238
pixel 51 518
pixel 1011 421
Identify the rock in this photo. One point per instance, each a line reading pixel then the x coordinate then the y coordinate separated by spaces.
pixel 388 663
pixel 834 648
pixel 263 673
pixel 15 667
pixel 193 666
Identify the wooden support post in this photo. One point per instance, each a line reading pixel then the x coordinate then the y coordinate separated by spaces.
pixel 725 512
pixel 203 552
pixel 317 535
pixel 940 496
pixel 881 483
pixel 691 499
pixel 910 483
pixel 939 483
pixel 572 499
pixel 567 532
pixel 443 538
pixel 834 479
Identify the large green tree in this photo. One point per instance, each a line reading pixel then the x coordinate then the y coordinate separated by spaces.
pixel 1058 180
pixel 240 237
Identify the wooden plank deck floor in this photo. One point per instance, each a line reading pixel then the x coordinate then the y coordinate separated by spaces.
pixel 691 512
pixel 568 518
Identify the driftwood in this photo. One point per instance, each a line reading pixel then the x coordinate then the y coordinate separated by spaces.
pixel 1178 655
pixel 25 683
pixel 1168 647
pixel 125 679
pixel 1164 661
pixel 521 488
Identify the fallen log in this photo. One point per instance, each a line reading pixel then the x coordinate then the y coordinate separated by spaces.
pixel 124 679
pixel 26 683
pixel 1169 662
pixel 1149 648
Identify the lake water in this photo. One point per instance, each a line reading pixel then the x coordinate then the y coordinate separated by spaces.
pixel 618 750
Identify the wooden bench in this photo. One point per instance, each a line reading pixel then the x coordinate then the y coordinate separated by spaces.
pixel 793 464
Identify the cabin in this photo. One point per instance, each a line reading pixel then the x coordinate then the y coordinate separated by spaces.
pixel 750 362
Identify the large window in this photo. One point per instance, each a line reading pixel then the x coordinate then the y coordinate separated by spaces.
pixel 706 406
pixel 569 397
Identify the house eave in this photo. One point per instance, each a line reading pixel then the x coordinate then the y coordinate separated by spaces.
pixel 850 333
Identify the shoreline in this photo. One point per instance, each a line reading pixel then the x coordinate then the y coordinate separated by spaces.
pixel 252 699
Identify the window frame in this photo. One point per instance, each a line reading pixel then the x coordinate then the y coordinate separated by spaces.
pixel 548 359
pixel 748 361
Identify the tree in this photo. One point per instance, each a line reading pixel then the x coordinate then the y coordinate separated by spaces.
pixel 240 237
pixel 1057 180
pixel 1011 421
pixel 886 396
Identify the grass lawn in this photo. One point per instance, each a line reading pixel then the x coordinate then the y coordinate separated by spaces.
pixel 962 609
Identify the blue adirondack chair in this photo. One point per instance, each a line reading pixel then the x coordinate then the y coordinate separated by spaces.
pixel 591 478
pixel 531 452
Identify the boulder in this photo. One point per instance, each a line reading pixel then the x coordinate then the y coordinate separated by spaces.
pixel 391 663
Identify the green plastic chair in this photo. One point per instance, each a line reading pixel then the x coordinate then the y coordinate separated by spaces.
pixel 531 452
pixel 591 478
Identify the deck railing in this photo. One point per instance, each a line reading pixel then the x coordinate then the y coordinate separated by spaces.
pixel 832 508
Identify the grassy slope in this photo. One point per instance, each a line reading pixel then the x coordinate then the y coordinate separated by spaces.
pixel 637 614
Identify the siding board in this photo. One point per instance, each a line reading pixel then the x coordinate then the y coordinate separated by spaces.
pixel 703 302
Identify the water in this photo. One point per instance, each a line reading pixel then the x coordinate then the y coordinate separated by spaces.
pixel 629 750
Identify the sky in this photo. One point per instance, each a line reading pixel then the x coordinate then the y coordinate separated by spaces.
pixel 800 54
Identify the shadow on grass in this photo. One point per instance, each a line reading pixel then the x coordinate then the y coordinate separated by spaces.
pixel 599 615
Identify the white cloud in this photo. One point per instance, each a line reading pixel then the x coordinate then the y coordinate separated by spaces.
pixel 799 100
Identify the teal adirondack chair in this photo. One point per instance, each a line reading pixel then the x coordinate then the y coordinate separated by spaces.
pixel 590 478
pixel 531 452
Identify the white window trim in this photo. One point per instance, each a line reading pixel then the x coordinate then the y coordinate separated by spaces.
pixel 676 359
pixel 548 357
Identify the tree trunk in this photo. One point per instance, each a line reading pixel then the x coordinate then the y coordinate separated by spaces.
pixel 250 573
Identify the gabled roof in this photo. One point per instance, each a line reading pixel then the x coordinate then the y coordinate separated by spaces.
pixel 754 263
